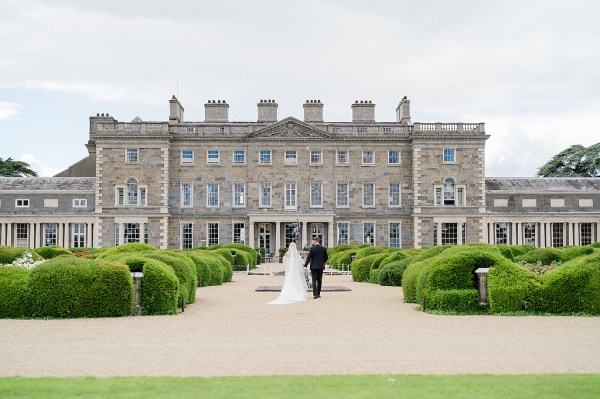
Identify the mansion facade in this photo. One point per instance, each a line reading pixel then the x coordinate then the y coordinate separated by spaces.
pixel 177 184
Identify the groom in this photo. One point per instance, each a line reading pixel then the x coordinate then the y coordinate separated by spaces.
pixel 317 257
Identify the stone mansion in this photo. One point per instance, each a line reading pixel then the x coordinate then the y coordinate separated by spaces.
pixel 178 184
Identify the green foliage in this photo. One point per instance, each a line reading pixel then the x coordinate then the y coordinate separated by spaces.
pixel 339 248
pixel 253 254
pixel 568 253
pixel 544 255
pixel 11 168
pixel 394 256
pixel 225 253
pixel 10 254
pixel 14 290
pixel 374 276
pixel 518 250
pixel 52 251
pixel 575 161
pixel 391 273
pixel 414 266
pixel 505 250
pixel 282 252
pixel 361 268
pixel 72 287
pixel 371 250
pixel 159 289
pixel 184 269
pixel 210 269
pixel 510 288
pixel 130 247
pixel 455 300
pixel 342 258
pixel 572 287
pixel 374 272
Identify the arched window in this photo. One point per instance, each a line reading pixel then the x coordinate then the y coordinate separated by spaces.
pixel 132 191
pixel 449 191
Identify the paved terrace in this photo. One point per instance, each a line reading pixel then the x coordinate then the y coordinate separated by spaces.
pixel 232 331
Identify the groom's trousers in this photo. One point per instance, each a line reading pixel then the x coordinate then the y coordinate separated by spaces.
pixel 317 281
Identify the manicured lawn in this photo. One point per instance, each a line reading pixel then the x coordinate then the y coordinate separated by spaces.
pixel 347 387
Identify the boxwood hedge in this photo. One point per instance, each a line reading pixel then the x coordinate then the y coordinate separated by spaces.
pixel 184 269
pixel 543 255
pixel 391 273
pixel 14 292
pixel 66 287
pixel 361 268
pixel 10 254
pixel 52 251
pixel 568 253
pixel 454 300
pixel 130 247
pixel 511 288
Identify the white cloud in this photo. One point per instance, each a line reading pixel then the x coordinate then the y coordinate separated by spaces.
pixel 39 167
pixel 8 109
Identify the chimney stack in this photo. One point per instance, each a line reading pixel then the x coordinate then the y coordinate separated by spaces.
pixel 363 111
pixel 216 111
pixel 267 111
pixel 313 111
pixel 176 111
pixel 403 111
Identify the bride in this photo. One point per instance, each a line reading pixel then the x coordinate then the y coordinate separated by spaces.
pixel 294 283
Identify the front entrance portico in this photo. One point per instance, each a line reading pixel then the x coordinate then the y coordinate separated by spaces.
pixel 291 227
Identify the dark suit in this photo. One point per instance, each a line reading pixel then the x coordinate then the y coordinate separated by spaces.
pixel 317 257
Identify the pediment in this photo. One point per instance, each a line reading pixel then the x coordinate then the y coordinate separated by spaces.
pixel 291 129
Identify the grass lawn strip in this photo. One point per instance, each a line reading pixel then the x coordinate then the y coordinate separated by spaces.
pixel 546 386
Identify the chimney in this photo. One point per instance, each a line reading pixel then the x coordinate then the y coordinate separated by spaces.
pixel 363 111
pixel 267 111
pixel 313 111
pixel 176 111
pixel 403 111
pixel 216 111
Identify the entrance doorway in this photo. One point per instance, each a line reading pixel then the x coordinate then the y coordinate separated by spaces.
pixel 317 230
pixel 264 236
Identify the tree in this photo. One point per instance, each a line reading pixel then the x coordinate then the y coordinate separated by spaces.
pixel 11 168
pixel 575 161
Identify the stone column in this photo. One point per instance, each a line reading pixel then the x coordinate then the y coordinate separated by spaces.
pixel 251 234
pixel 519 238
pixel 330 234
pixel 277 237
pixel 122 234
pixel 9 234
pixel 38 229
pixel 571 232
pixel 459 233
pixel 549 235
pixel 304 237
pixel 59 231
pixel 513 234
pixel 88 235
pixel 438 239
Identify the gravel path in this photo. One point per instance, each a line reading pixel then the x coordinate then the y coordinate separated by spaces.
pixel 232 331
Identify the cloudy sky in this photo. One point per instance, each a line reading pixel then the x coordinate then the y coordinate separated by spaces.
pixel 529 69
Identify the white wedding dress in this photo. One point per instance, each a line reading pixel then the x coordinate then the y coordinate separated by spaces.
pixel 294 287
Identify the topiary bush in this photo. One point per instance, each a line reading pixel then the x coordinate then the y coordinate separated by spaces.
pixel 455 300
pixel 361 268
pixel 10 254
pixel 344 257
pixel 52 251
pixel 159 289
pixel 511 288
pixel 225 253
pixel 67 287
pixel 568 253
pixel 339 248
pixel 543 255
pixel 130 247
pixel 210 270
pixel 391 273
pixel 184 269
pixel 572 287
pixel 393 256
pixel 374 272
pixel 371 250
pixel 14 292
pixel 505 250
pixel 253 254
pixel 518 250
pixel 414 266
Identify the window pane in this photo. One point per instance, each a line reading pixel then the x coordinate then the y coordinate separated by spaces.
pixel 316 194
pixel 132 192
pixel 315 157
pixel 369 233
pixel 342 194
pixel 187 156
pixel 239 190
pixel 342 157
pixel 291 157
pixel 186 194
pixel 393 157
pixel 501 233
pixel 449 155
pixel 529 234
pixel 290 195
pixel 343 237
pixel 265 194
pixel 131 155
pixel 368 194
pixel 50 234
pixel 213 156
pixel 265 157
pixel 449 233
pixel 213 233
pixel 131 233
pixel 368 157
pixel 239 156
pixel 449 192
pixel 186 236
pixel 394 231
pixel 212 194
pixel 394 199
pixel 239 233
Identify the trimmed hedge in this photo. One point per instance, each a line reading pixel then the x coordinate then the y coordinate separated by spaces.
pixel 184 269
pixel 457 300
pixel 414 265
pixel 361 268
pixel 14 290
pixel 374 272
pixel 52 251
pixel 159 288
pixel 342 258
pixel 572 287
pixel 210 269
pixel 568 253
pixel 391 273
pixel 505 250
pixel 371 250
pixel 339 248
pixel 510 288
pixel 10 254
pixel 518 250
pixel 543 255
pixel 254 254
pixel 394 256
pixel 130 247
pixel 71 287
pixel 225 253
